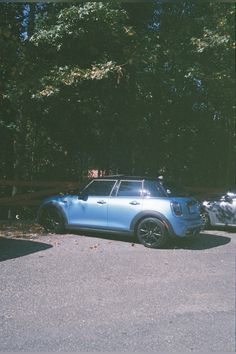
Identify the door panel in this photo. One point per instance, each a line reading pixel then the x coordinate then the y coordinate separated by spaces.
pixel 90 208
pixel 122 210
pixel 89 213
pixel 125 205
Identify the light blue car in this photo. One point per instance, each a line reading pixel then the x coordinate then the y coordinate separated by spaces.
pixel 146 207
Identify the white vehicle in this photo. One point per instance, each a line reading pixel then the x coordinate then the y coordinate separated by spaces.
pixel 220 211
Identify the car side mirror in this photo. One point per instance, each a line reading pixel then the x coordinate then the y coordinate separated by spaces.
pixel 83 196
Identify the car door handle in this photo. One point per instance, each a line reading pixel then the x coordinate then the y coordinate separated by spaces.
pixel 134 202
pixel 101 202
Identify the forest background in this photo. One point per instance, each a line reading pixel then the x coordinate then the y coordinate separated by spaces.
pixel 118 87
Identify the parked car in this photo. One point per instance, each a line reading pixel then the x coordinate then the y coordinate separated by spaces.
pixel 146 207
pixel 220 210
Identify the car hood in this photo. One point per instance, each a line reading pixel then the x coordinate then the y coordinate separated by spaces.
pixel 58 198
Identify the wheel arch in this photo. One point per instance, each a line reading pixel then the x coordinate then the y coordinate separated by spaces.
pixel 150 213
pixel 55 206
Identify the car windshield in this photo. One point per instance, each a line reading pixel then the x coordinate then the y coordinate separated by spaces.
pixel 173 189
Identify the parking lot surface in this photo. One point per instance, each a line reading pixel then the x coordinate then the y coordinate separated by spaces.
pixel 108 293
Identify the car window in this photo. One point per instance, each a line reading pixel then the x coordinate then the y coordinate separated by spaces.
pixel 99 188
pixel 153 189
pixel 130 189
pixel 173 189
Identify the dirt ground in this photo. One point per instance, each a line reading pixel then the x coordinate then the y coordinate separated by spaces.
pixel 20 229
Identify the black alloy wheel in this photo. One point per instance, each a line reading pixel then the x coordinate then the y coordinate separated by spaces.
pixel 52 221
pixel 151 232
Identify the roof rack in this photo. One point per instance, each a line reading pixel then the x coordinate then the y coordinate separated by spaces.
pixel 123 176
pixel 111 176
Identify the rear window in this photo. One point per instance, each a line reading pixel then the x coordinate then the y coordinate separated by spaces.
pixel 173 189
pixel 130 189
pixel 153 189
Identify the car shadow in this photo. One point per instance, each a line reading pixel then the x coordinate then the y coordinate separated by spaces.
pixel 108 236
pixel 12 248
pixel 201 242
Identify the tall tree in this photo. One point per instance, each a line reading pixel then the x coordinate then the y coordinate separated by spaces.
pixel 122 87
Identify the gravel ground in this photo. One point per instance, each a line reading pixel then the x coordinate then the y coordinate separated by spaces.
pixel 105 293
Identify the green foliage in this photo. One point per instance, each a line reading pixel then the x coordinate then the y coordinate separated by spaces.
pixel 73 76
pixel 121 87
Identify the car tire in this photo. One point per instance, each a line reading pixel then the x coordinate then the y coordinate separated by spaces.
pixel 151 232
pixel 52 221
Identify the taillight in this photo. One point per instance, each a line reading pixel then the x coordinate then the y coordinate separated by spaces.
pixel 177 209
pixel 193 206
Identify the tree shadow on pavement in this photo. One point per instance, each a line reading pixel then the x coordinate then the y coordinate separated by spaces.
pixel 200 242
pixel 12 248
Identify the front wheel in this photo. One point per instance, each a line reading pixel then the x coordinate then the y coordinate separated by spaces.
pixel 151 232
pixel 52 221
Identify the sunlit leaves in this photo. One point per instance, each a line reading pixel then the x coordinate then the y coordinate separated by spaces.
pixel 77 21
pixel 73 76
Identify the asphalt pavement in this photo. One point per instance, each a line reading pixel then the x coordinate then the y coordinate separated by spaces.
pixel 106 293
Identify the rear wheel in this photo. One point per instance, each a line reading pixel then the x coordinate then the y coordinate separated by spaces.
pixel 151 232
pixel 52 221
